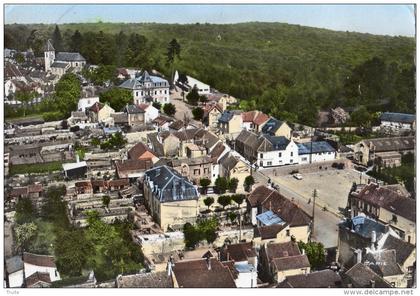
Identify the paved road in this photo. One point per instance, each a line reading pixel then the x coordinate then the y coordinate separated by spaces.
pixel 182 109
pixel 326 228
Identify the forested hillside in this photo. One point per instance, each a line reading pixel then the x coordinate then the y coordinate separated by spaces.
pixel 289 71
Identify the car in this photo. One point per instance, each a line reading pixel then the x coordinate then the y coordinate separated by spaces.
pixel 298 176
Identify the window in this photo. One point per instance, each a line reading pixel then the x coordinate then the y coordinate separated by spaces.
pixel 137 93
pixel 261 155
pixel 261 163
pixel 197 172
pixel 304 159
pixel 77 64
pixel 291 153
pixel 165 91
pixel 269 163
pixel 287 232
pixel 291 161
pixel 206 170
pixel 279 154
pixel 394 219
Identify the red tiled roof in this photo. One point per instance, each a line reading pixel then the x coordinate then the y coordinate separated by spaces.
pixel 256 117
pixel 96 107
pixel 240 252
pixel 35 188
pixel 196 274
pixel 143 106
pixel 138 150
pixel 118 182
pixel 37 277
pixel 291 262
pixel 38 260
pixel 280 250
pixel 133 165
pixel 18 191
pixel 261 118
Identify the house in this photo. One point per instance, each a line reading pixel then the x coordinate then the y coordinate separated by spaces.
pixel 201 273
pixel 171 198
pixel 150 112
pixel 135 115
pixel 254 120
pixel 384 263
pixel 54 62
pixel 274 127
pixel 44 264
pixel 148 88
pixel 232 166
pixel 143 152
pixel 281 260
pixel 187 83
pixel 38 280
pixel 224 100
pixel 217 152
pixel 161 123
pixel 276 218
pixel 132 168
pixel 361 276
pixel 266 150
pixel 326 278
pixel 85 103
pixel 14 272
pixel 315 152
pixel 230 122
pixel 244 261
pixel 193 168
pixel 212 114
pixel 387 206
pixel 75 170
pixel 386 151
pixel 398 121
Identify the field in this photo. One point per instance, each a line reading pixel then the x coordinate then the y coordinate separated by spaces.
pixel 36 168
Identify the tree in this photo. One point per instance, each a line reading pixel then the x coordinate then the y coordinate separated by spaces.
pixel 54 208
pixel 238 199
pixel 204 183
pixel 198 113
pixel 173 52
pixel 248 182
pixel 208 201
pixel 106 200
pixel 73 252
pixel 25 211
pixel 232 216
pixel 233 184
pixel 57 40
pixel 95 141
pixel 19 57
pixel 25 97
pixel 76 41
pixel 220 185
pixel 203 99
pixel 361 117
pixel 224 200
pixel 315 252
pixel 23 233
pixel 193 96
pixel 169 109
pixel 117 98
pixel 157 105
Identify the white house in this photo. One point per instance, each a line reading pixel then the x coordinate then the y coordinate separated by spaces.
pixel 86 103
pixel 398 121
pixel 33 263
pixel 189 83
pixel 150 112
pixel 311 152
pixel 277 151
pixel 148 88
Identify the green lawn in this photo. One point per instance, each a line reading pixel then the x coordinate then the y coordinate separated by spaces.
pixel 35 168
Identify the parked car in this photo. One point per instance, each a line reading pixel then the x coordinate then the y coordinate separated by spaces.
pixel 298 176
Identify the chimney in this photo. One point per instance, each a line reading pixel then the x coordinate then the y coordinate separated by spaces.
pixel 169 267
pixel 208 262
pixel 358 254
pixel 174 190
pixel 373 240
pixel 372 283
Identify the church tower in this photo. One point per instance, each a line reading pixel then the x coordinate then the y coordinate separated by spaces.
pixel 49 55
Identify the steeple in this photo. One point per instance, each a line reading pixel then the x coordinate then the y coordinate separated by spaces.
pixel 49 55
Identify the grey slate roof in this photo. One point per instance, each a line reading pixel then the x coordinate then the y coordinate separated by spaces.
pixel 138 82
pixel 228 115
pixel 271 126
pixel 132 109
pixel 319 279
pixel 361 276
pixel 59 65
pixel 403 249
pixel 228 161
pixel 317 147
pixel 383 263
pixel 398 117
pixel 69 57
pixel 14 264
pixel 171 186
pixel 392 144
pixel 278 143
